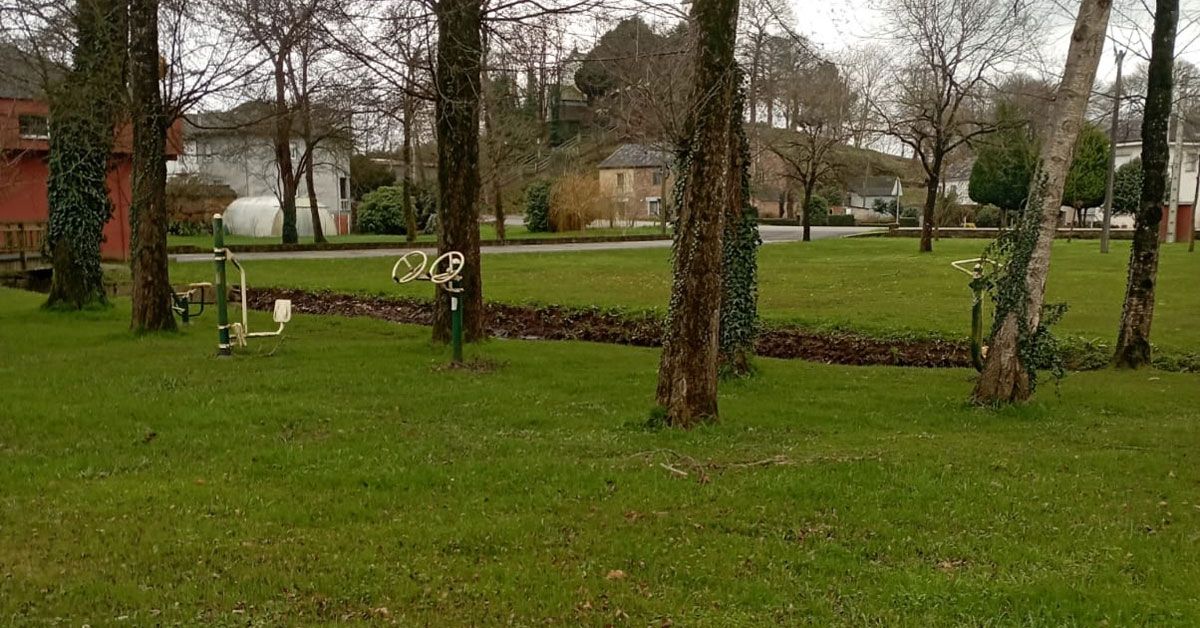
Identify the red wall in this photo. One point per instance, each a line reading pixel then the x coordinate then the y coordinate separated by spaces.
pixel 1184 221
pixel 23 175
pixel 23 197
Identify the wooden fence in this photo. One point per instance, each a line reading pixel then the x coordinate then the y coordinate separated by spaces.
pixel 22 241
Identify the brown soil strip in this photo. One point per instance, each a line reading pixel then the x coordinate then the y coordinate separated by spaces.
pixel 595 325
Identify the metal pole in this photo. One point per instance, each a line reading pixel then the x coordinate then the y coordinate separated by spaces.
pixel 223 345
pixel 1112 157
pixel 977 285
pixel 456 321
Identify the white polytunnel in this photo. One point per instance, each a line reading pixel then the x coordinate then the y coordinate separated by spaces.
pixel 260 216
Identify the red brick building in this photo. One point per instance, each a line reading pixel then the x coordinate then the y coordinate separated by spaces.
pixel 24 171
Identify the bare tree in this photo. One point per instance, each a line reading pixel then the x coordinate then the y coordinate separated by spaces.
pixel 1021 291
pixel 947 51
pixel 1133 338
pixel 820 124
pixel 687 373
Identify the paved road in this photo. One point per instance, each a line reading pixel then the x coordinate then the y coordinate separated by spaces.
pixel 770 234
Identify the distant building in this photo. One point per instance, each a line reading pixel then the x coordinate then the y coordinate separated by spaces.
pixel 638 179
pixel 865 192
pixel 24 151
pixel 957 182
pixel 1186 188
pixel 236 148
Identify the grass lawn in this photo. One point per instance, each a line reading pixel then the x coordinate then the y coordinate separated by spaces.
pixel 342 473
pixel 487 231
pixel 877 285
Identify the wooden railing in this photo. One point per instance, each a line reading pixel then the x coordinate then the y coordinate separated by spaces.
pixel 22 239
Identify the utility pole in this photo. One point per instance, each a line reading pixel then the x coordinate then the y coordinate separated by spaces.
pixel 1176 179
pixel 1112 156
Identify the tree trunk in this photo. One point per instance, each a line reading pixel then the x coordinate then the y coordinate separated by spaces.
pixel 313 205
pixel 791 205
pixel 84 108
pixel 457 110
pixel 283 153
pixel 1005 378
pixel 410 212
pixel 1133 337
pixel 151 291
pixel 739 272
pixel 493 148
pixel 932 181
pixel 687 373
pixel 805 214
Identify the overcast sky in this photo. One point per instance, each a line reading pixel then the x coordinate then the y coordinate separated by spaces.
pixel 837 24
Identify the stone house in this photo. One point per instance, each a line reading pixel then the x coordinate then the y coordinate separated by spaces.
pixel 638 180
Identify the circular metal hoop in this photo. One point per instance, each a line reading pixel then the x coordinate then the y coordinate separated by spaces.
pixel 415 262
pixel 454 262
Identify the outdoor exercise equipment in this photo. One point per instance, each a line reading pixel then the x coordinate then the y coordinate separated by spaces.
pixel 446 272
pixel 197 294
pixel 240 331
pixel 978 285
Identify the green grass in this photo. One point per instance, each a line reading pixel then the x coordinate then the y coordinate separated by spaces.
pixel 342 472
pixel 875 285
pixel 486 231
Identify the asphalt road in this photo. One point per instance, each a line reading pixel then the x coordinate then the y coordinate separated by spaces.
pixel 770 234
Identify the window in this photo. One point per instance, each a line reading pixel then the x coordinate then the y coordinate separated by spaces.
pixel 34 127
pixel 658 177
pixel 621 182
pixel 1191 161
pixel 654 205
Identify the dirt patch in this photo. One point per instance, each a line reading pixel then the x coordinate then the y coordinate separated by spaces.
pixel 595 325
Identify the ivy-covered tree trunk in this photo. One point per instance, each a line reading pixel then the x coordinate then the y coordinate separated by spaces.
pixel 1008 374
pixel 739 265
pixel 288 183
pixel 457 111
pixel 1133 337
pixel 687 372
pixel 151 292
pixel 84 108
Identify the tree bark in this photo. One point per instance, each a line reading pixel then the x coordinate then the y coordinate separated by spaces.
pixel 457 110
pixel 149 217
pixel 687 373
pixel 410 212
pixel 313 205
pixel 283 152
pixel 932 181
pixel 84 109
pixel 493 148
pixel 805 213
pixel 1005 378
pixel 1133 336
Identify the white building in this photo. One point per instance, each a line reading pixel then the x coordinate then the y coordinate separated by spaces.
pixel 236 148
pixel 1186 188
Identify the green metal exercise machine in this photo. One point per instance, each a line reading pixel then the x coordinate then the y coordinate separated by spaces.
pixel 445 271
pixel 979 283
pixel 228 333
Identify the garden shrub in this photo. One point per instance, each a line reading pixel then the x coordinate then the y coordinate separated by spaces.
pixel 576 201
pixel 909 221
pixel 382 211
pixel 842 220
pixel 537 206
pixel 987 216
